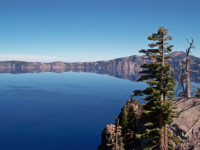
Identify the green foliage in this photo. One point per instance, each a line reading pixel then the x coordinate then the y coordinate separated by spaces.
pixel 132 120
pixel 129 138
pixel 116 124
pixel 129 122
pixel 174 139
pixel 198 93
pixel 124 121
pixel 161 81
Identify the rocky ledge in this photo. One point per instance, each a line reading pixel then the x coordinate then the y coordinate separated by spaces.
pixel 186 127
pixel 108 135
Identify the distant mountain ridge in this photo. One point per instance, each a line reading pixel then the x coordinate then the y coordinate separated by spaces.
pixel 130 63
pixel 180 55
pixel 126 67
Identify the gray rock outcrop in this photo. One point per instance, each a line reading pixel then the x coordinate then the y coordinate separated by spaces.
pixel 108 135
pixel 186 127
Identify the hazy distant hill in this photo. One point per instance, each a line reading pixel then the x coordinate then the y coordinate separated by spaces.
pixel 180 55
pixel 131 62
pixel 125 63
pixel 126 67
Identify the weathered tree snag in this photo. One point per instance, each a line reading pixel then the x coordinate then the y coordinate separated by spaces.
pixel 187 71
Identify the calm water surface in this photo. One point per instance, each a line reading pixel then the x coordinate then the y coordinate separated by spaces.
pixel 59 111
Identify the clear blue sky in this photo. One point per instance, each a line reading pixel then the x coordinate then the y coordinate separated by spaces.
pixel 91 30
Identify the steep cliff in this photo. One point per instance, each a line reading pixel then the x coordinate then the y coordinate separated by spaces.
pixel 126 68
pixel 186 127
pixel 109 137
pixel 125 63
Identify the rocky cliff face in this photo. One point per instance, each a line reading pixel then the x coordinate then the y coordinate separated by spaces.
pixel 186 127
pixel 108 135
pixel 132 62
pixel 126 63
pixel 126 68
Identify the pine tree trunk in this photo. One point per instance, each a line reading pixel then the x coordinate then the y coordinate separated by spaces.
pixel 161 143
pixel 166 137
pixel 161 125
pixel 166 132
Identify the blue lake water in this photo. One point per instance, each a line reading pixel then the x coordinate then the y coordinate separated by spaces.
pixel 59 111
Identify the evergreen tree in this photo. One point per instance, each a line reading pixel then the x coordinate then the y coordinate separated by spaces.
pixel 131 128
pixel 198 93
pixel 132 120
pixel 157 112
pixel 124 122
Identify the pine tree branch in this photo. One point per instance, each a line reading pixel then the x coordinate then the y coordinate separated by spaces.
pixel 173 132
pixel 149 131
pixel 154 146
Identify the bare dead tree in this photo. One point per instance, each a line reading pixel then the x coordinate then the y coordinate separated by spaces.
pixel 184 71
pixel 187 71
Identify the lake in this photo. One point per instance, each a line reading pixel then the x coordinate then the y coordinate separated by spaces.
pixel 63 111
pixel 59 110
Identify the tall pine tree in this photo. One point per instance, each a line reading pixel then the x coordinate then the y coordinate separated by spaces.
pixel 157 112
pixel 124 122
